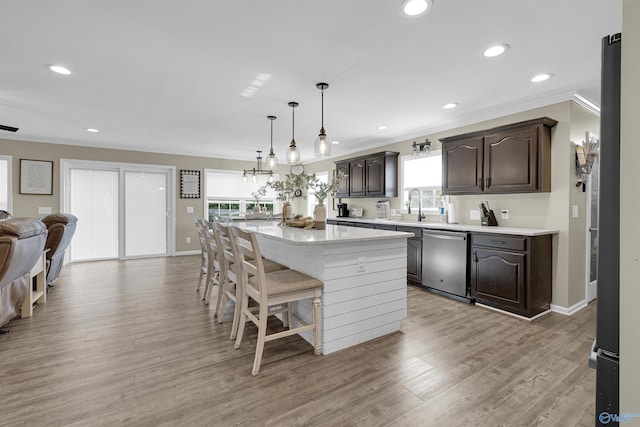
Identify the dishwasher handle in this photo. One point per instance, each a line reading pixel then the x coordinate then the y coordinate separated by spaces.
pixel 451 236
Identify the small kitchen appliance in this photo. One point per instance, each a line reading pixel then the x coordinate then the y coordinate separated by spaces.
pixel 343 212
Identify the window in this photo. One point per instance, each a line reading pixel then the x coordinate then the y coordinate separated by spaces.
pixel 425 174
pixel 311 198
pixel 228 195
pixel 5 183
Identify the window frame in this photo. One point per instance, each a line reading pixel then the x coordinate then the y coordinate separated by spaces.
pixel 436 191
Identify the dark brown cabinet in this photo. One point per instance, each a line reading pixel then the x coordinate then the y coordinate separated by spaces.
pixel 512 273
pixel 509 159
pixel 375 175
pixel 414 254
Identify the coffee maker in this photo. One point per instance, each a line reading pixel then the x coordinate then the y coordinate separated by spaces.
pixel 343 212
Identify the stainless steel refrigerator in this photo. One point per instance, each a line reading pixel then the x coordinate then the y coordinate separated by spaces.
pixel 606 351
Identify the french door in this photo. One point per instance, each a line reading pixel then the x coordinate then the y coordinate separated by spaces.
pixel 123 210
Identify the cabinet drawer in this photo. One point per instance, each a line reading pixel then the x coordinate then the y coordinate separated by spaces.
pixel 500 241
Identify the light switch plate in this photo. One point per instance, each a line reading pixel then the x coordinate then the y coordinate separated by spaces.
pixel 505 213
pixel 44 210
pixel 474 214
pixel 575 211
pixel 189 209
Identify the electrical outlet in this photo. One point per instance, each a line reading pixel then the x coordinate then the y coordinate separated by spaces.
pixel 575 211
pixel 189 209
pixel 44 210
pixel 505 213
pixel 361 263
pixel 188 239
pixel 474 214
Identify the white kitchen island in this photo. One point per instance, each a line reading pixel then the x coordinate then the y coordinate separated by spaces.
pixel 364 272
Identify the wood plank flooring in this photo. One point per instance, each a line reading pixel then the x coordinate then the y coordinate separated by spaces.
pixel 131 343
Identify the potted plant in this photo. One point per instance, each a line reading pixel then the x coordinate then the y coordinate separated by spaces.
pixel 322 190
pixel 257 195
pixel 285 189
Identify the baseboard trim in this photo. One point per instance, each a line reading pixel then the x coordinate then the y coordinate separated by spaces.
pixel 569 311
pixel 513 314
pixel 183 253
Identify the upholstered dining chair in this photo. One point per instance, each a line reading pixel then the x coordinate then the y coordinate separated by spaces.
pixel 275 289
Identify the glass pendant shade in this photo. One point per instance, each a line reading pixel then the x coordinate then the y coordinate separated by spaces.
pixel 293 154
pixel 244 177
pixel 322 145
pixel 254 178
pixel 272 161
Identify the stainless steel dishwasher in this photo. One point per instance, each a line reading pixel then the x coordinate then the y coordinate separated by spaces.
pixel 444 263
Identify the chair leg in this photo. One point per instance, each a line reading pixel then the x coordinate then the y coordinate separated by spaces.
pixel 237 310
pixel 200 276
pixel 223 299
pixel 290 307
pixel 244 306
pixel 207 285
pixel 317 321
pixel 262 333
pixel 212 281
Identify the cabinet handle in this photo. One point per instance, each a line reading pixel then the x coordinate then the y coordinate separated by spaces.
pixel 487 182
pixel 475 257
pixel 479 184
pixel 502 242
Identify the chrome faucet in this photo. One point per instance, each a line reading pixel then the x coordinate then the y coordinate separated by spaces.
pixel 420 216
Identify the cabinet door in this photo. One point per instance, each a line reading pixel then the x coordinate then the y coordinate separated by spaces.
pixel 462 166
pixel 511 161
pixel 499 278
pixel 375 176
pixel 414 260
pixel 343 188
pixel 357 172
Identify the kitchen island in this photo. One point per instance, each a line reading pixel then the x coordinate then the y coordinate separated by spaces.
pixel 363 271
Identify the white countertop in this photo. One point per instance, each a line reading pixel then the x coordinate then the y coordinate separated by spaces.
pixel 457 227
pixel 331 235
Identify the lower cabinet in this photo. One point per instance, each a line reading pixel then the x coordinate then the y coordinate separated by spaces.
pixel 512 273
pixel 414 254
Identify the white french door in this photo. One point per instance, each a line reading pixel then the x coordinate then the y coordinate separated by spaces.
pixel 124 210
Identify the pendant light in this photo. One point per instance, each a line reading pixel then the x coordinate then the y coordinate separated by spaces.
pixel 293 154
pixel 322 145
pixel 257 170
pixel 272 159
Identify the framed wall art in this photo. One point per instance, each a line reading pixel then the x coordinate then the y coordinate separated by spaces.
pixel 36 177
pixel 189 184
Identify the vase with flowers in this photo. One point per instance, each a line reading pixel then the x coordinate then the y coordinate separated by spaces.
pixel 321 190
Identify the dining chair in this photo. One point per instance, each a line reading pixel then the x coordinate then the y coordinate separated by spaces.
pixel 229 289
pixel 214 267
pixel 277 289
pixel 204 260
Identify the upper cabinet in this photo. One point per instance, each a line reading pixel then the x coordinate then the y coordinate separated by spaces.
pixel 375 175
pixel 509 159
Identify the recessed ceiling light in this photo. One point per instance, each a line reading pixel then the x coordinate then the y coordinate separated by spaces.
pixel 382 127
pixel 495 50
pixel 541 77
pixel 92 130
pixel 59 69
pixel 415 8
pixel 450 105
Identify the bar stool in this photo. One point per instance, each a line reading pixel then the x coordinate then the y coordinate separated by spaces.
pixel 204 260
pixel 229 289
pixel 278 288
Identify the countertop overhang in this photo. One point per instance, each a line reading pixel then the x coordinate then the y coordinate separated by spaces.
pixel 332 234
pixel 522 231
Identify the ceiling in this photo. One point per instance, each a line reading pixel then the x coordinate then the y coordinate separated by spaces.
pixel 172 75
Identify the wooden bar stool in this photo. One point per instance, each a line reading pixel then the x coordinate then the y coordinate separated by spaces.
pixel 229 290
pixel 278 288
pixel 204 260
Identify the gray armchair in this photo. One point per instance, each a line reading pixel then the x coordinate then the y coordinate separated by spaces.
pixel 61 227
pixel 21 244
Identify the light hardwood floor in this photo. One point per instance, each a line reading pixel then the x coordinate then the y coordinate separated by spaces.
pixel 131 343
